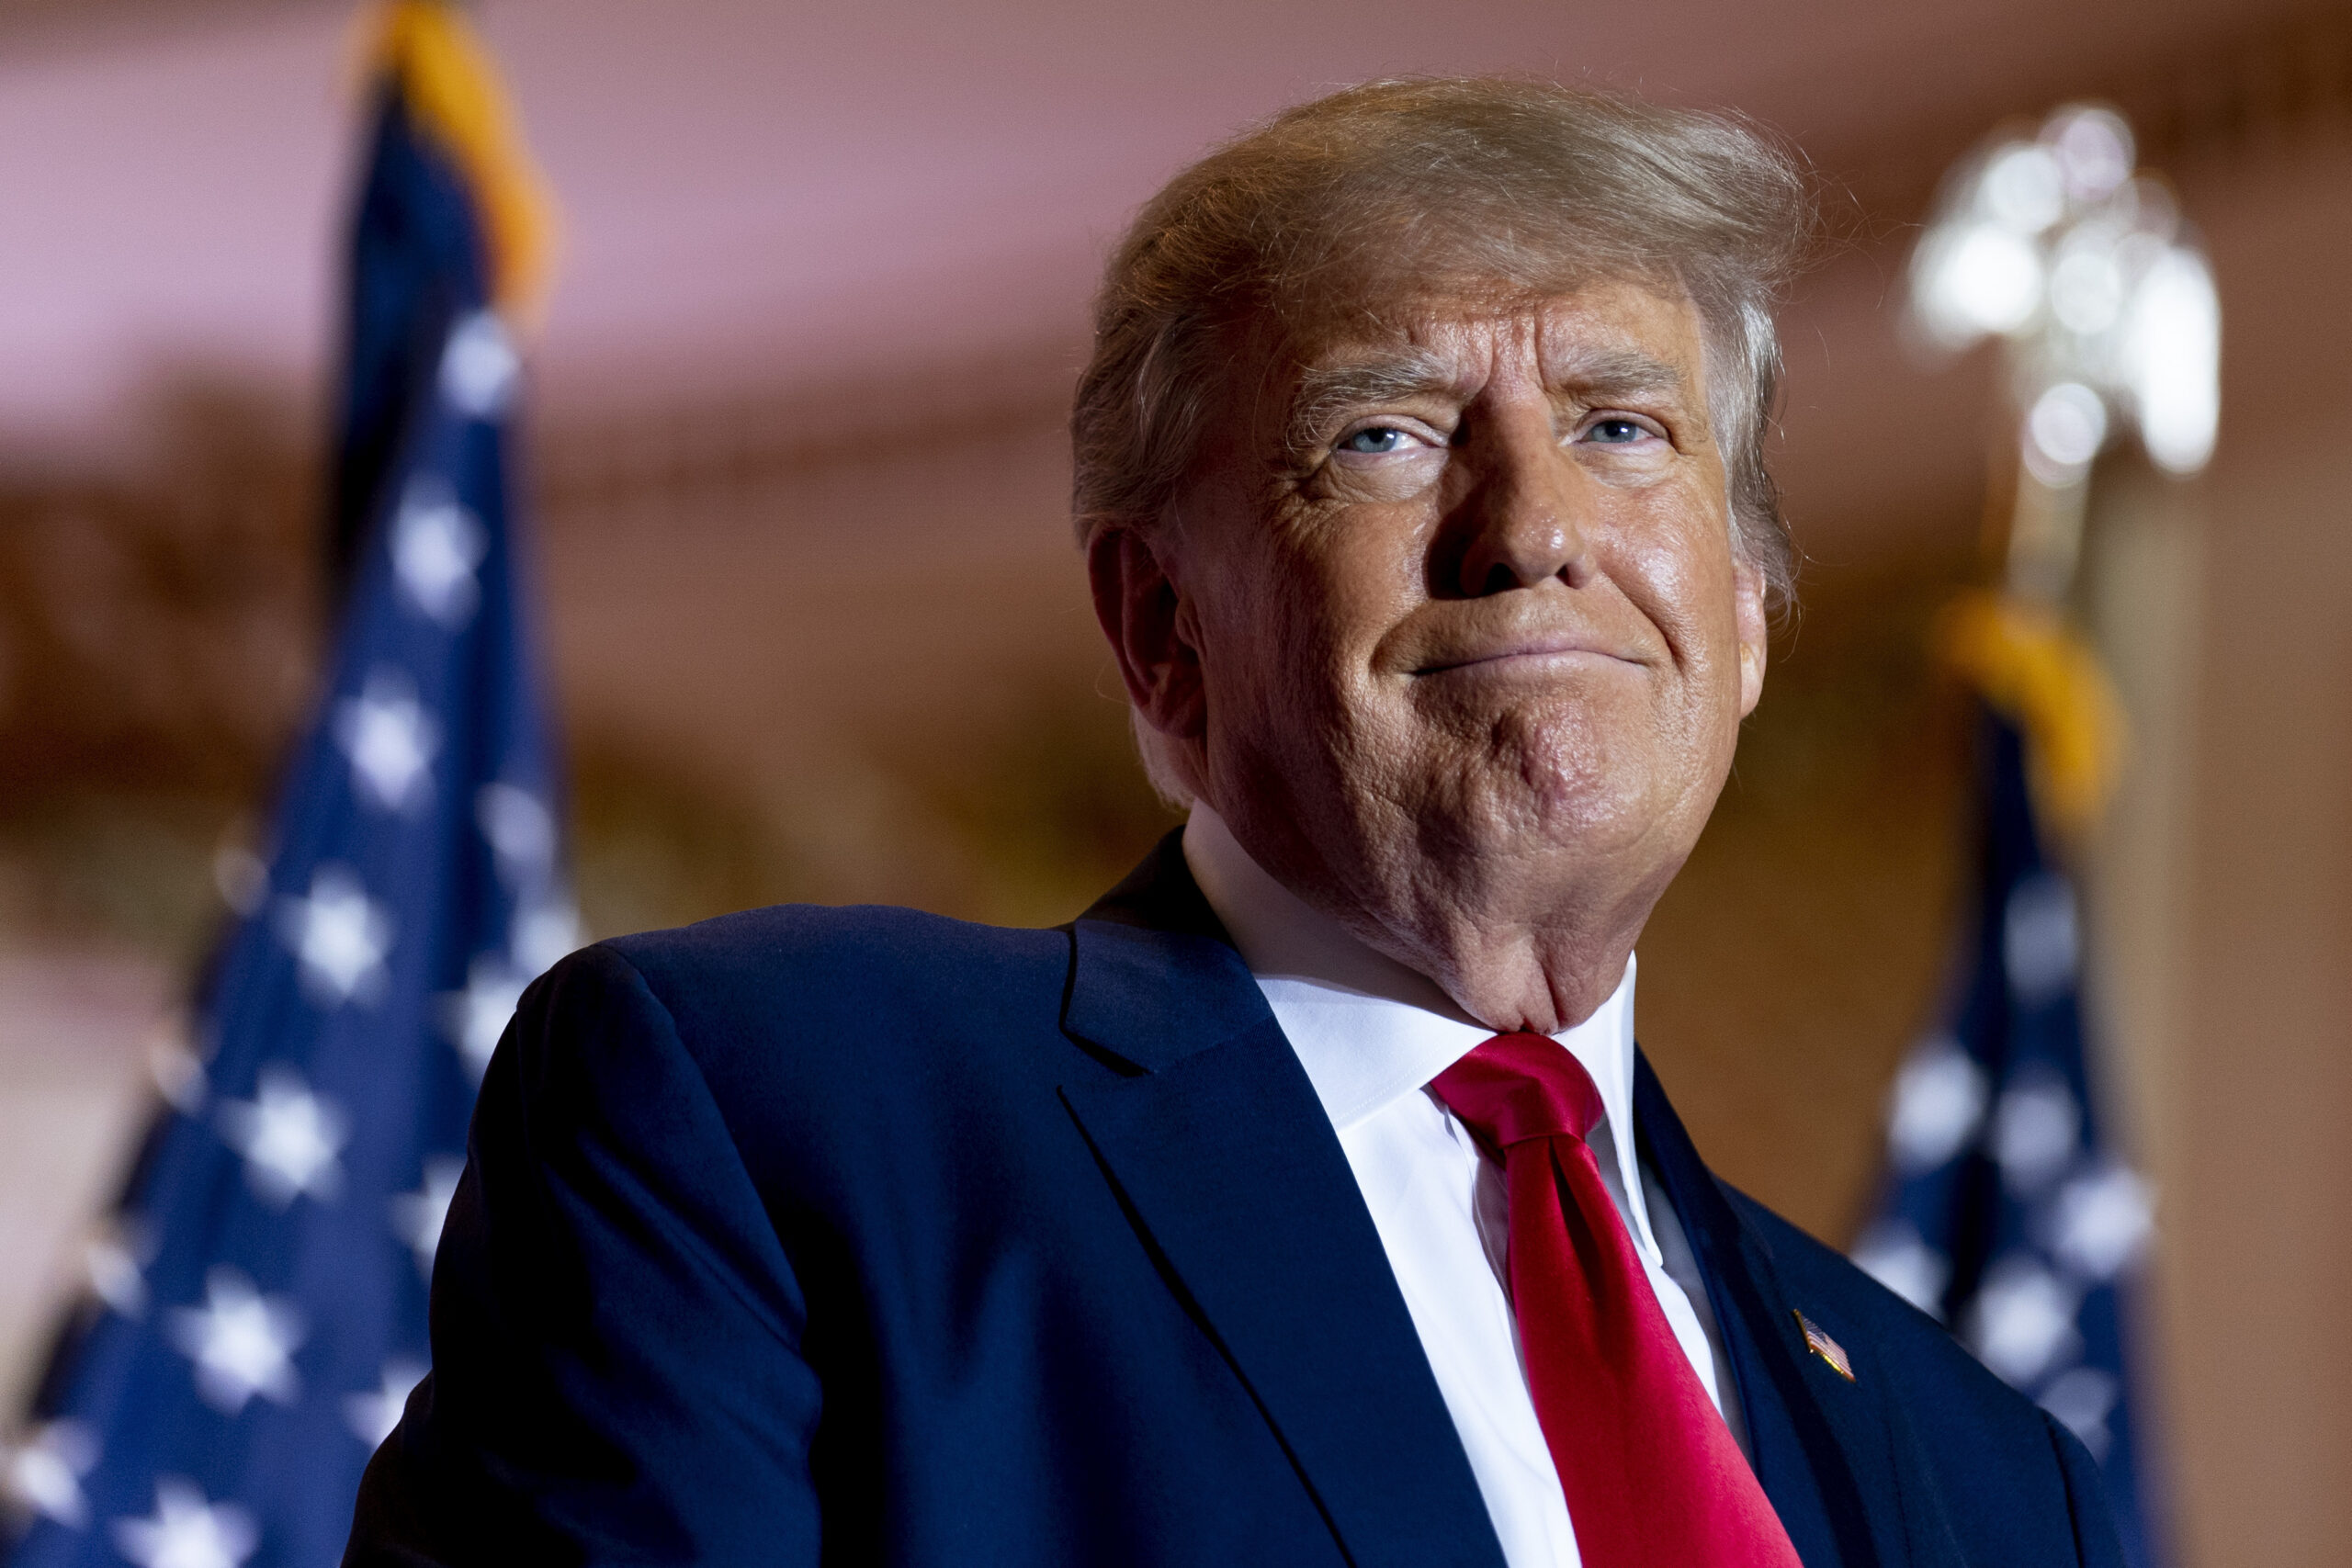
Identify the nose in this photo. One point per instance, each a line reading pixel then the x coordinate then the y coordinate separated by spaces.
pixel 1522 522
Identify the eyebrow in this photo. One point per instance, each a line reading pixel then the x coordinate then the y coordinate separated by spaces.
pixel 1325 392
pixel 1624 372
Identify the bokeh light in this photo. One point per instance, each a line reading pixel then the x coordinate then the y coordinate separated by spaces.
pixel 2055 247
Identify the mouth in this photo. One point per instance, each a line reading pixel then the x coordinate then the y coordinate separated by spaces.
pixel 1528 655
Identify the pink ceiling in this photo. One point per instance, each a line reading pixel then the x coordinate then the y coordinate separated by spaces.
pixel 803 193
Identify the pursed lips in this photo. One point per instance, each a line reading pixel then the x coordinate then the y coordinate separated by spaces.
pixel 1526 652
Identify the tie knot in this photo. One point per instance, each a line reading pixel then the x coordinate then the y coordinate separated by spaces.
pixel 1517 1087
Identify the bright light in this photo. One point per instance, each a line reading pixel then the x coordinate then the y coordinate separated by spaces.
pixel 1984 279
pixel 2065 432
pixel 2023 188
pixel 2086 286
pixel 2109 310
pixel 2094 150
pixel 2172 358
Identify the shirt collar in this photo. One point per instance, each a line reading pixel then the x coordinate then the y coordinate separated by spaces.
pixel 1367 1028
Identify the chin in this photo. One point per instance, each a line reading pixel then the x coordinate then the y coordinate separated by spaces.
pixel 1533 805
pixel 1573 772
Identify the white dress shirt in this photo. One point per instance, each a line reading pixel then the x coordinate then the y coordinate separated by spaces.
pixel 1370 1034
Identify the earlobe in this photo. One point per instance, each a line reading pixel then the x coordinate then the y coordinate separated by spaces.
pixel 1150 630
pixel 1754 635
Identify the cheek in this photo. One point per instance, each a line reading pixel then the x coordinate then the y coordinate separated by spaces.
pixel 1335 582
pixel 1680 574
pixel 1274 663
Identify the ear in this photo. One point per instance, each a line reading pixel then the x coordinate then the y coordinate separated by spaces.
pixel 1150 630
pixel 1747 611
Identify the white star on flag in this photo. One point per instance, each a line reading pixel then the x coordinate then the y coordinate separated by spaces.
pixel 1895 1254
pixel 2083 1398
pixel 1939 1103
pixel 340 935
pixel 242 1342
pixel 544 931
pixel 2041 942
pixel 437 545
pixel 391 740
pixel 418 1216
pixel 2099 1221
pixel 373 1415
pixel 44 1472
pixel 185 1532
pixel 520 829
pixel 2023 1320
pixel 474 1019
pixel 478 367
pixel 2034 1128
pixel 115 1262
pixel 289 1138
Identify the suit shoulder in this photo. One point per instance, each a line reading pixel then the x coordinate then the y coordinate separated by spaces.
pixel 878 949
pixel 830 989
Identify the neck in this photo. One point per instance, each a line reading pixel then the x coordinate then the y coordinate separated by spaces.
pixel 1541 974
pixel 1531 978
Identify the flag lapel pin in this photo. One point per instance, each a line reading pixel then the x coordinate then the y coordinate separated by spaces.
pixel 1828 1349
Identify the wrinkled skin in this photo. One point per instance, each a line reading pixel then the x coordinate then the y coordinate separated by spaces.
pixel 1449 625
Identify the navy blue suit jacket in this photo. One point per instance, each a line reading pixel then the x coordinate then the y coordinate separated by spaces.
pixel 861 1235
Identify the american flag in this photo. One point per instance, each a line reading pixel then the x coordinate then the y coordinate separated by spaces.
pixel 257 1309
pixel 2008 1213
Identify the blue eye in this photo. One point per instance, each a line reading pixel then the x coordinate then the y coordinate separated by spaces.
pixel 1616 432
pixel 1379 439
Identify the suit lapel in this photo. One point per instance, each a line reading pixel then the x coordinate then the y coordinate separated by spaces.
pixel 1832 1453
pixel 1213 1136
pixel 1210 1131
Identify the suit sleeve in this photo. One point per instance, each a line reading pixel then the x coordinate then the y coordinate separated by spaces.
pixel 617 1373
pixel 2095 1542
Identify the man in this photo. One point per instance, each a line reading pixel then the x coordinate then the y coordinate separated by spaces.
pixel 1305 1200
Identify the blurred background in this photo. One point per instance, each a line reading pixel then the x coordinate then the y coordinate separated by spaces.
pixel 798 477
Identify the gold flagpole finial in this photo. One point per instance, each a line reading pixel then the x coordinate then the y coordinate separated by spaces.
pixel 430 50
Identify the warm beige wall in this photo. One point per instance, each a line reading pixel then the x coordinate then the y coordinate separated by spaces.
pixel 878 659
pixel 2222 882
pixel 2257 1145
pixel 2257 1189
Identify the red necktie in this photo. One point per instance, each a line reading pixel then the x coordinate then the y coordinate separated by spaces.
pixel 1652 1476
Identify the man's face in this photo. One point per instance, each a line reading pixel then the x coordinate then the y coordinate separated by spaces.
pixel 1465 607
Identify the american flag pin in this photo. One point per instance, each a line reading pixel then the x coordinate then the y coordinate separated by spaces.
pixel 1828 1349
